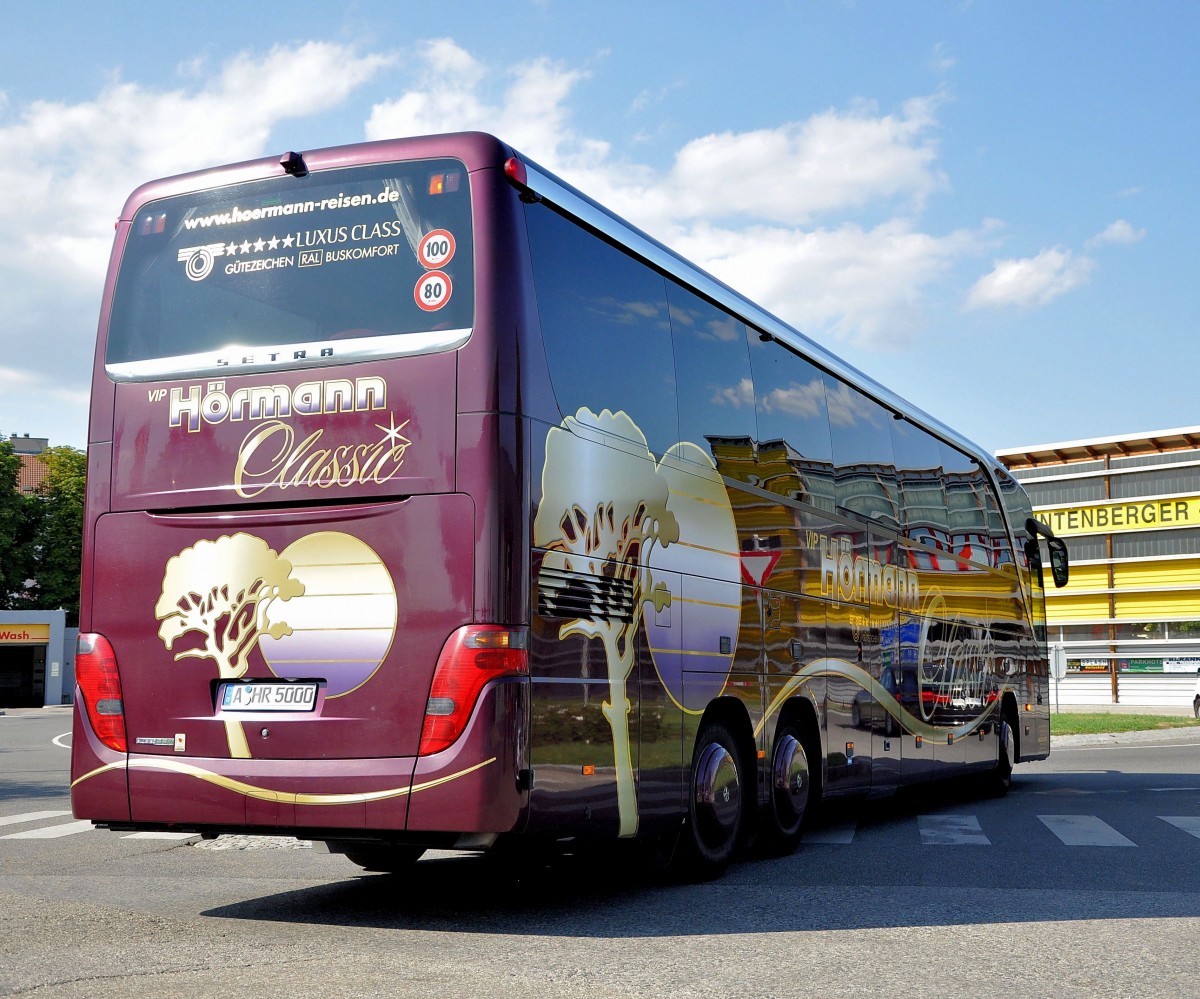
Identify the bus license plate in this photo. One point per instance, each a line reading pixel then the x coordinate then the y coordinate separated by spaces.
pixel 268 697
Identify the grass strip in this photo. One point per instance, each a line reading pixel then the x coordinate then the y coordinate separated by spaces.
pixel 1072 723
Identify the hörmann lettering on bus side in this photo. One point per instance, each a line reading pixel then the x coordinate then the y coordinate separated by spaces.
pixel 193 405
pixel 858 579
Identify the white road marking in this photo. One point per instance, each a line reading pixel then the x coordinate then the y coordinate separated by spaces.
pixel 1124 745
pixel 951 830
pixel 1190 824
pixel 161 835
pixel 53 832
pixel 60 745
pixel 1084 830
pixel 12 820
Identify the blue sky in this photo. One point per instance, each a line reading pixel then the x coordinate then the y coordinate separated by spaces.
pixel 989 206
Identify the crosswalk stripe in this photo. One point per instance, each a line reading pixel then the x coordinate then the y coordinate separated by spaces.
pixel 837 835
pixel 53 832
pixel 1084 830
pixel 935 830
pixel 12 820
pixel 1190 824
pixel 951 830
pixel 161 835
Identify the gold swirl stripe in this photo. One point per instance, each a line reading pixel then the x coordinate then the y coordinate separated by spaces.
pixel 848 671
pixel 269 794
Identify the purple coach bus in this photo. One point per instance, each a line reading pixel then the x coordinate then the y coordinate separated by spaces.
pixel 431 505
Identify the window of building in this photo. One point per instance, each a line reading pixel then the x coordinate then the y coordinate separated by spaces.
pixel 1158 482
pixel 1146 544
pixel 1056 493
pixel 1075 468
pixel 1143 460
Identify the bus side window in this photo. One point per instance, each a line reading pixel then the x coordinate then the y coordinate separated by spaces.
pixel 793 422
pixel 922 494
pixel 967 499
pixel 605 326
pixel 863 459
pixel 712 368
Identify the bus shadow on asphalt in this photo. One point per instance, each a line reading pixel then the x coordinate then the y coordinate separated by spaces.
pixel 886 879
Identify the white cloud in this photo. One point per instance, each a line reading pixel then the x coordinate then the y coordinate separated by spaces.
pixel 833 161
pixel 1119 232
pixel 805 401
pixel 68 169
pixel 850 408
pixel 737 396
pixel 817 219
pixel 1033 281
pixel 864 285
pixel 531 113
pixel 740 204
pixel 47 402
pixel 940 60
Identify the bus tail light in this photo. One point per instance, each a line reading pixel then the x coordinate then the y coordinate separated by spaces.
pixel 100 684
pixel 471 657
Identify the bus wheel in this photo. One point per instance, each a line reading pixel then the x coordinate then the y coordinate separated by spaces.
pixel 715 804
pixel 791 785
pixel 385 859
pixel 1001 775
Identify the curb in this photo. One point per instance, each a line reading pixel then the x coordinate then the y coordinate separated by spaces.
pixel 1126 738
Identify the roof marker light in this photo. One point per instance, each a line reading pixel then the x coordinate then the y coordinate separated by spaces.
pixel 515 171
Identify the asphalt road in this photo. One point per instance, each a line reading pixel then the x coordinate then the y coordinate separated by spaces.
pixel 1083 882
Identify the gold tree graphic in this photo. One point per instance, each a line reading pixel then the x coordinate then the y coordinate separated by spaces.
pixel 603 508
pixel 224 590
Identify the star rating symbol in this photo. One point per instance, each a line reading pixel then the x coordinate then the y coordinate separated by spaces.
pixel 288 242
pixel 273 243
pixel 258 246
pixel 391 433
pixel 246 246
pixel 231 249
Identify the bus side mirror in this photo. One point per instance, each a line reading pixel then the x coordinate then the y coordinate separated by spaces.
pixel 1060 567
pixel 1033 556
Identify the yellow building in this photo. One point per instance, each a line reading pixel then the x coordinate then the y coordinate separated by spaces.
pixel 1129 510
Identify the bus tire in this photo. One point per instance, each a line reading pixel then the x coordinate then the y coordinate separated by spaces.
pixel 1000 779
pixel 716 804
pixel 792 788
pixel 385 859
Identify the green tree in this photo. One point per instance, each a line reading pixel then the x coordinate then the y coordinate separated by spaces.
pixel 58 548
pixel 19 516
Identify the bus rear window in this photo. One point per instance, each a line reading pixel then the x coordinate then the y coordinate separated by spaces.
pixel 368 261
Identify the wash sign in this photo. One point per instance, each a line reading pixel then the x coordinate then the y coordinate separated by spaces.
pixel 24 634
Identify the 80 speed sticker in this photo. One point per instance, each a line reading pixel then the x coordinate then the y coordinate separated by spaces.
pixel 432 290
pixel 436 249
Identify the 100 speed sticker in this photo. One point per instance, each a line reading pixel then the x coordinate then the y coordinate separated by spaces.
pixel 436 249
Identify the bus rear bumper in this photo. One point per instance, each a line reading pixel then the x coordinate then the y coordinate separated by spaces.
pixel 472 787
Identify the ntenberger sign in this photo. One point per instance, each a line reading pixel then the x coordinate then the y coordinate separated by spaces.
pixel 1122 515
